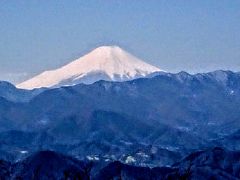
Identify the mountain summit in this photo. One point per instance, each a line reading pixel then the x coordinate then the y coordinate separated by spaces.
pixel 109 63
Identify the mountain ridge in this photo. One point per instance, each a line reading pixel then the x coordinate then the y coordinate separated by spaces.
pixel 167 115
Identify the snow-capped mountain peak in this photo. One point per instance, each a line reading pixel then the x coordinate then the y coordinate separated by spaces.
pixel 109 63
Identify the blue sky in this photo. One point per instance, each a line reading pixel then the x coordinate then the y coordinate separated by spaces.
pixel 175 35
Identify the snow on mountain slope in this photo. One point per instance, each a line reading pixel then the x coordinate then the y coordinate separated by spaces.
pixel 109 63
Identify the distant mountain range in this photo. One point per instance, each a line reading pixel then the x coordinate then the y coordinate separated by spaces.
pixel 110 115
pixel 110 63
pixel 153 121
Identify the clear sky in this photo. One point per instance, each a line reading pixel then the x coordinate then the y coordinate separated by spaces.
pixel 175 35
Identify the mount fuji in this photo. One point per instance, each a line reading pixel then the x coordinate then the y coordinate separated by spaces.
pixel 110 63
